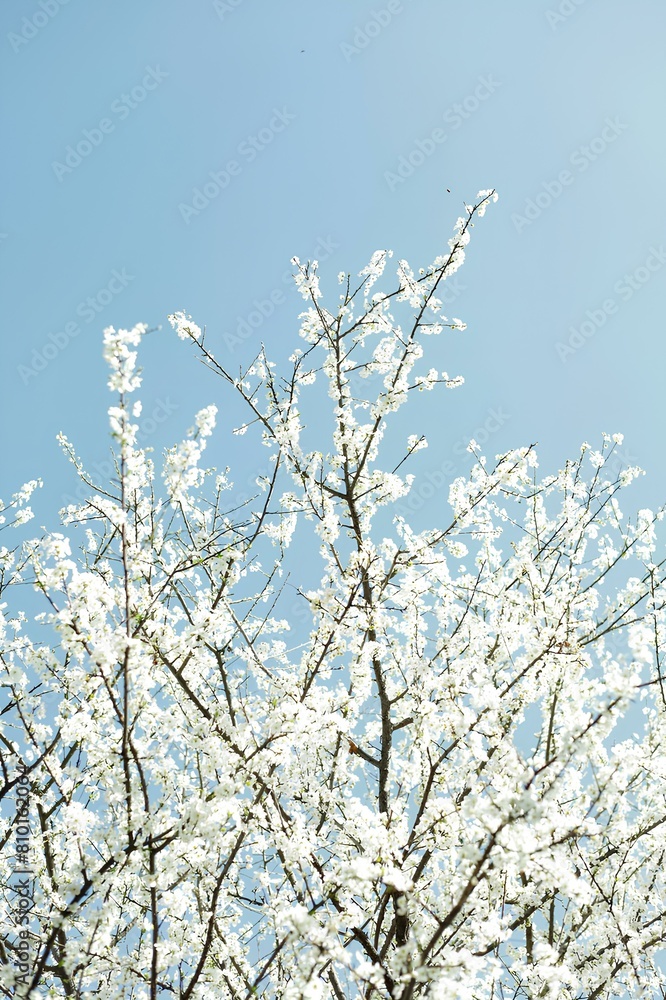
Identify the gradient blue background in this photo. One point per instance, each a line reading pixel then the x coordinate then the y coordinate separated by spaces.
pixel 556 78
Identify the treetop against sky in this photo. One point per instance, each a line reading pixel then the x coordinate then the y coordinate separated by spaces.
pixel 446 780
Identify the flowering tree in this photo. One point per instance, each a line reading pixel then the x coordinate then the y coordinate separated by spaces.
pixel 452 784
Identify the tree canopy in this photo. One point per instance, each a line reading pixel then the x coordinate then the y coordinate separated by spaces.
pixel 451 783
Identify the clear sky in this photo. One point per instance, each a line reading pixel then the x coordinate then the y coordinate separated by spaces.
pixel 307 113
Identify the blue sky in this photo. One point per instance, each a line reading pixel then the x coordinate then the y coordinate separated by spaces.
pixel 308 113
